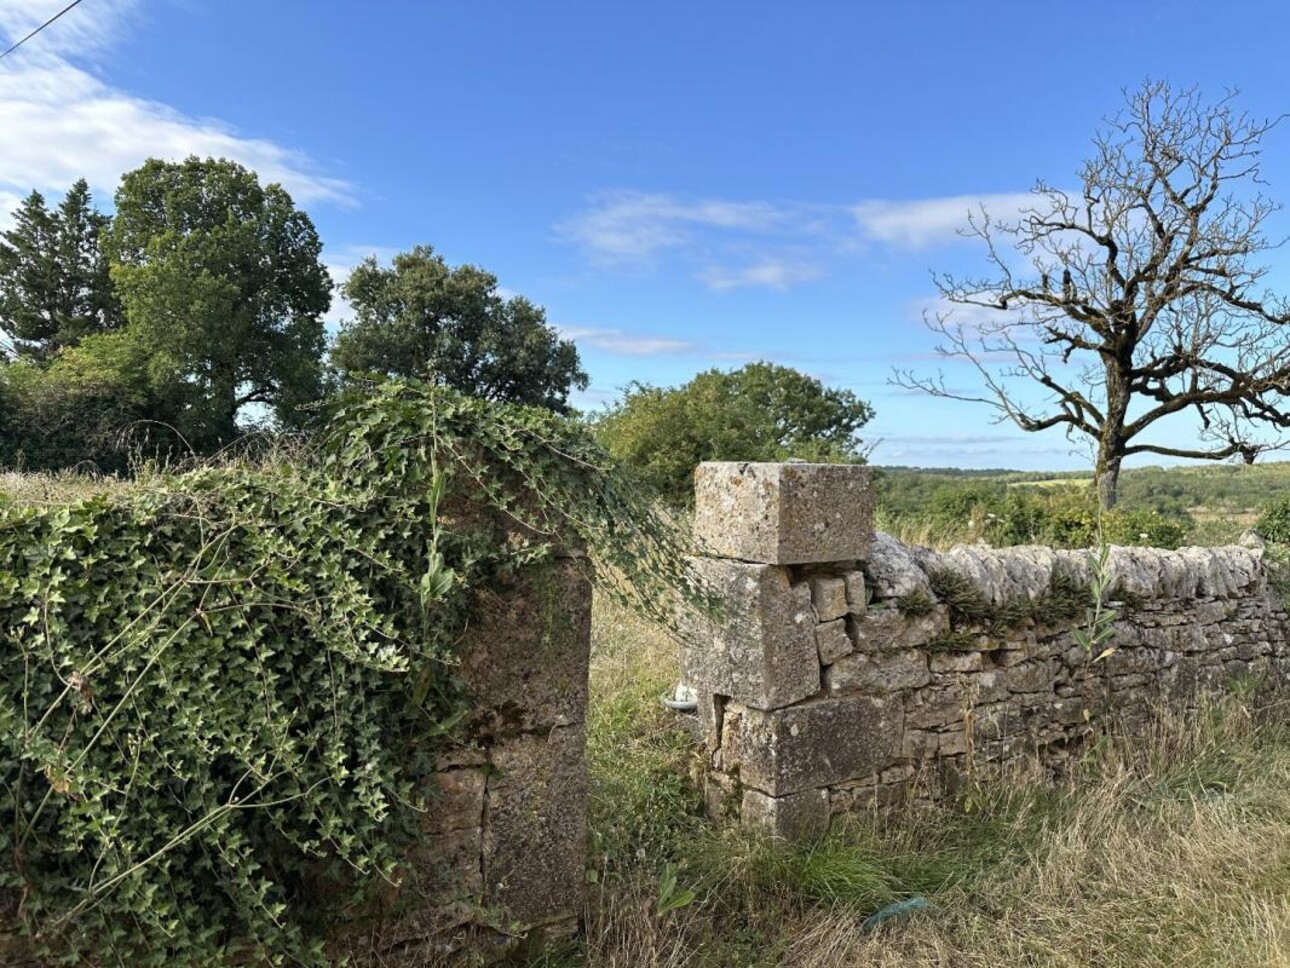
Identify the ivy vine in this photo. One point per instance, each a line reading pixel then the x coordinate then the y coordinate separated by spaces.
pixel 219 691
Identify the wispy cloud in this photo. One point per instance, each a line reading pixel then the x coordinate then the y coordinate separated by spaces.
pixel 84 31
pixel 626 344
pixel 968 450
pixel 925 223
pixel 768 273
pixel 739 243
pixel 628 227
pixel 61 122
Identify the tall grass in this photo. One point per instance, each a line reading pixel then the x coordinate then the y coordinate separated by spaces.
pixel 1167 849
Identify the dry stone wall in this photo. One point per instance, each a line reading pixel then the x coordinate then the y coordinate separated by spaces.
pixel 845 670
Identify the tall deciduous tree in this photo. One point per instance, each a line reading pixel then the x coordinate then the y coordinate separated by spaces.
pixel 422 318
pixel 1138 299
pixel 760 412
pixel 220 277
pixel 54 284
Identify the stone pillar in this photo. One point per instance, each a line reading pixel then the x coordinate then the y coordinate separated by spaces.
pixel 783 547
pixel 502 863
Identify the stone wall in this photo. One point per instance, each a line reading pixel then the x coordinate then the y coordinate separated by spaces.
pixel 502 864
pixel 845 670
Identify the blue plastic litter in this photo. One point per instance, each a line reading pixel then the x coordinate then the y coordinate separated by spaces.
pixel 894 912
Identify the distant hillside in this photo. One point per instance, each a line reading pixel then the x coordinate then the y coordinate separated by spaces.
pixel 1234 491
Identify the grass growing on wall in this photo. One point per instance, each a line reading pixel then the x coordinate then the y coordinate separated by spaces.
pixel 1170 849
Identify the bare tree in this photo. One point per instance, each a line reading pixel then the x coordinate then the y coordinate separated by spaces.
pixel 1137 299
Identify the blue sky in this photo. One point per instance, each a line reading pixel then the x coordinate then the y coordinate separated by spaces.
pixel 681 185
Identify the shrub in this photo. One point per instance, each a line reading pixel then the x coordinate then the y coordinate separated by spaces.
pixel 1274 523
pixel 1143 528
pixel 1067 517
pixel 218 694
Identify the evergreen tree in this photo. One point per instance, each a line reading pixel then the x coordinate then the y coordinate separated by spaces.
pixel 54 283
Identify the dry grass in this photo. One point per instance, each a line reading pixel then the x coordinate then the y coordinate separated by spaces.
pixel 932 532
pixel 1169 850
pixel 1135 869
pixel 64 487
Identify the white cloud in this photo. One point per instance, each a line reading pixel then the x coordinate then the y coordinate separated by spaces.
pixel 60 122
pixel 627 227
pixel 927 222
pixel 86 29
pixel 9 202
pixel 768 273
pixel 1020 451
pixel 732 243
pixel 625 344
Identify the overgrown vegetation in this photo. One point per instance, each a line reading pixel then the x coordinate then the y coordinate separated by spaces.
pixel 1065 599
pixel 1274 522
pixel 218 691
pixel 1167 848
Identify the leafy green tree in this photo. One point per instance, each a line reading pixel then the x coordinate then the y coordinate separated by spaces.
pixel 422 318
pixel 220 278
pixel 54 283
pixel 760 412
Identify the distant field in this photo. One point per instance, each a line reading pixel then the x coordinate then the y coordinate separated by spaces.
pixel 1210 504
pixel 1055 482
pixel 1209 490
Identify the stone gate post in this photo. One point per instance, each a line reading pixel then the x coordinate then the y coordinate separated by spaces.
pixel 781 547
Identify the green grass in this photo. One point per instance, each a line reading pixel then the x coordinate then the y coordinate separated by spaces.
pixel 1172 849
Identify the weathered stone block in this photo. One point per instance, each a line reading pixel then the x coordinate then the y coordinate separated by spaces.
pixel 534 838
pixel 894 572
pixel 817 744
pixel 783 514
pixel 1030 677
pixel 525 653
pixel 832 641
pixel 761 649
pixel 887 628
pixel 456 802
pixel 829 596
pixel 857 592
pixel 880 672
pixel 721 796
pixel 956 662
pixel 793 817
pixel 918 744
pixel 452 865
pixel 951 743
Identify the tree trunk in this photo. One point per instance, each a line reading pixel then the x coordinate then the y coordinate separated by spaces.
pixel 1111 442
pixel 1108 479
pixel 224 406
